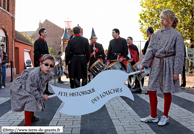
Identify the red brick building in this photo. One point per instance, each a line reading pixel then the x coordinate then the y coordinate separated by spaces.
pixel 54 34
pixel 15 43
pixel 7 28
pixel 23 51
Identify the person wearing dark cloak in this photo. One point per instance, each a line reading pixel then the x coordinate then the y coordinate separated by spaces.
pixel 77 56
pixel 96 51
pixel 41 48
pixel 134 59
pixel 117 49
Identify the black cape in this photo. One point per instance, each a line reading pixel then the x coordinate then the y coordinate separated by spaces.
pixel 40 48
pixel 146 46
pixel 134 54
pixel 117 47
pixel 77 65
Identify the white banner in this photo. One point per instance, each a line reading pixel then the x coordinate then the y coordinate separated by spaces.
pixel 91 97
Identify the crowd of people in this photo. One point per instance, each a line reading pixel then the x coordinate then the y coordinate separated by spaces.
pixel 164 53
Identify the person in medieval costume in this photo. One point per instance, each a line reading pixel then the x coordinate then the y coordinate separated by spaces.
pixel 149 33
pixel 133 50
pixel 96 50
pixel 77 56
pixel 41 48
pixel 117 49
pixel 26 91
pixel 166 48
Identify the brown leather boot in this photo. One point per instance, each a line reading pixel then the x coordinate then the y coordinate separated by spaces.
pixel 34 119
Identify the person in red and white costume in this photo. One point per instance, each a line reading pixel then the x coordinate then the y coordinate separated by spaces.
pixel 133 51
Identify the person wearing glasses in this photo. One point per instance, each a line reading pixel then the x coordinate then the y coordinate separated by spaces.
pixel 41 48
pixel 26 91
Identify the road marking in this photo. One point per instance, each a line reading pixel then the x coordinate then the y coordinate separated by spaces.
pixel 182 116
pixel 124 117
pixel 71 124
pixel 186 96
pixel 4 99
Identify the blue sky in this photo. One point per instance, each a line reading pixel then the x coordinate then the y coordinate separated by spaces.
pixel 103 15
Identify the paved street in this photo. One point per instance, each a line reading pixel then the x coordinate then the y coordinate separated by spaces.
pixel 120 115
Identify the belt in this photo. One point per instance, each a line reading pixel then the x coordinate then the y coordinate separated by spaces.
pixel 161 65
pixel 78 55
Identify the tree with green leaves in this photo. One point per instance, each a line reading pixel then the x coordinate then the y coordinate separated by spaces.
pixel 52 51
pixel 184 10
pixel 28 37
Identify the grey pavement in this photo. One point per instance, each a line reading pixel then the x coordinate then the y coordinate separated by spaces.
pixel 5 92
pixel 119 115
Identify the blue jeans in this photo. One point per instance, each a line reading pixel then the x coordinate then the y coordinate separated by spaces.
pixel 3 75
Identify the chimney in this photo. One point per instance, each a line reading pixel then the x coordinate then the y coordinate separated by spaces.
pixel 40 24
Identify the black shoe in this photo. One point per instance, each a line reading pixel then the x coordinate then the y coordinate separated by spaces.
pixel 182 85
pixel 34 119
pixel 48 93
pixel 138 91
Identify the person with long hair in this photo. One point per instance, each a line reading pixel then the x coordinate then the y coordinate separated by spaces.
pixel 166 48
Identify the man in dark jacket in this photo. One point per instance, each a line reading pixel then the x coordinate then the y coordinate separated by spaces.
pixel 77 56
pixel 96 51
pixel 117 49
pixel 149 33
pixel 41 48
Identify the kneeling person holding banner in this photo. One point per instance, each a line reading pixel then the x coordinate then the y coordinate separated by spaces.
pixel 26 91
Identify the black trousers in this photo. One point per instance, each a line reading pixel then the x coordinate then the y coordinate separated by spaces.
pixel 183 78
pixel 59 79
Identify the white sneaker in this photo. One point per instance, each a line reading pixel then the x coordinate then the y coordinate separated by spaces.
pixel 149 119
pixel 163 121
pixel 2 87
